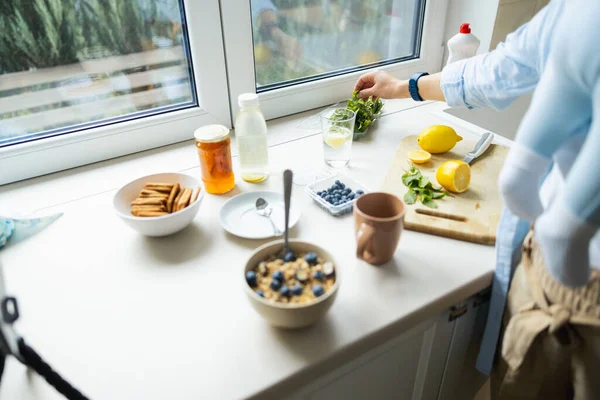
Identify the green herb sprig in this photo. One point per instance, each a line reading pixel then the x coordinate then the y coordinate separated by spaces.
pixel 366 112
pixel 419 186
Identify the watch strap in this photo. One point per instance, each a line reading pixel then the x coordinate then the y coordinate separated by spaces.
pixel 413 89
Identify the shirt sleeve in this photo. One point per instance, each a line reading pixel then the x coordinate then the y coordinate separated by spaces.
pixel 495 79
pixel 569 97
pixel 259 6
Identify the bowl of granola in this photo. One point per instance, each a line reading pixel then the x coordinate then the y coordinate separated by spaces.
pixel 291 290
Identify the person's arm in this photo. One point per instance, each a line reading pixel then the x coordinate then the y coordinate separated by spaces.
pixel 493 80
pixel 382 84
pixel 566 102
pixel 565 230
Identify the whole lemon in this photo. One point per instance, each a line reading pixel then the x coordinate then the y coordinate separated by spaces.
pixel 262 53
pixel 438 139
pixel 454 175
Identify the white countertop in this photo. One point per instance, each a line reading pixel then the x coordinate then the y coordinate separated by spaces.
pixel 122 316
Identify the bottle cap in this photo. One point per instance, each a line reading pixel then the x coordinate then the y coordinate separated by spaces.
pixel 464 28
pixel 248 100
pixel 211 133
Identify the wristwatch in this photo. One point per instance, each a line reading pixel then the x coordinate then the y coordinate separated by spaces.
pixel 412 86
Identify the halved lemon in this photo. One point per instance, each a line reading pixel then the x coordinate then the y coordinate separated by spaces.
pixel 419 156
pixel 336 136
pixel 454 175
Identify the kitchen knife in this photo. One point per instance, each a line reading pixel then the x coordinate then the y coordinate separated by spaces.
pixel 480 147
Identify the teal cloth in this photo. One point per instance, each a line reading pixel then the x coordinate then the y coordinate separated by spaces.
pixel 14 230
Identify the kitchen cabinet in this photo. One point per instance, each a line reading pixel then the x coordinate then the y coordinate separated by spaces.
pixel 435 360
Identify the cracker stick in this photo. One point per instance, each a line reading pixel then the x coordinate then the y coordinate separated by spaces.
pixel 150 213
pixel 154 196
pixel 176 200
pixel 185 199
pixel 142 202
pixel 151 193
pixel 149 208
pixel 195 194
pixel 164 188
pixel 159 184
pixel 172 196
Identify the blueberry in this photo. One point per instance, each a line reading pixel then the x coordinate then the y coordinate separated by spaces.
pixel 318 275
pixel 328 269
pixel 340 185
pixel 311 258
pixel 297 290
pixel 251 278
pixel 260 293
pixel 301 275
pixel 327 198
pixel 285 291
pixel 360 192
pixel 318 290
pixel 275 284
pixel 323 194
pixel 337 203
pixel 347 191
pixel 337 182
pixel 289 257
pixel 278 275
pixel 344 199
pixel 351 196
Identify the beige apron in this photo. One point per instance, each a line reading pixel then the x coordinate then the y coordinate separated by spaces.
pixel 551 344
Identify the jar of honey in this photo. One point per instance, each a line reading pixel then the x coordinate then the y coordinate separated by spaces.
pixel 214 150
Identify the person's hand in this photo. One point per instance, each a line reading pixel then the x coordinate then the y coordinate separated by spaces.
pixel 381 84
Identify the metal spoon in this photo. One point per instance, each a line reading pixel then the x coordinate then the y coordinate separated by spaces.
pixel 264 209
pixel 288 177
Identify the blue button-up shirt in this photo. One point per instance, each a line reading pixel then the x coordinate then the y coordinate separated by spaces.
pixel 494 80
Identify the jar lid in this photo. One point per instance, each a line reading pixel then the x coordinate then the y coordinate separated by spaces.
pixel 247 100
pixel 211 133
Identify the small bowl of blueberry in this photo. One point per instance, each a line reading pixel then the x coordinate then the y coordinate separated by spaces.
pixel 291 290
pixel 336 194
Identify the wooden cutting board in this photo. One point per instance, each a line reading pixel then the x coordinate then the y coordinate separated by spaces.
pixel 471 216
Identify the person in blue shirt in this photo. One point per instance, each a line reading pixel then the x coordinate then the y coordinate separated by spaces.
pixel 566 224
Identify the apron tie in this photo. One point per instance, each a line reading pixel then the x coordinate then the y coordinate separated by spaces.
pixel 535 319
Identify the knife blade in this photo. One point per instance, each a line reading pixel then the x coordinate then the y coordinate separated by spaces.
pixel 480 148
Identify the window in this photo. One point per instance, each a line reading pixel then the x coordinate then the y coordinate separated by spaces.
pixel 303 54
pixel 66 65
pixel 86 80
pixel 303 40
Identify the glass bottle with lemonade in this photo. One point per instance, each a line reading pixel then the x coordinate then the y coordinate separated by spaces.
pixel 251 135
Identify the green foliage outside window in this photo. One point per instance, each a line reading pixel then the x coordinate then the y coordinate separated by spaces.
pixel 48 33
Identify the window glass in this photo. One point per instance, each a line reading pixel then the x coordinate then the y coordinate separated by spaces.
pixel 71 64
pixel 307 39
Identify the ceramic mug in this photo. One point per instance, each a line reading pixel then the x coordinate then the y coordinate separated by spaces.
pixel 378 223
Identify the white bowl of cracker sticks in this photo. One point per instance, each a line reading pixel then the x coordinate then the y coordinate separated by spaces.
pixel 160 204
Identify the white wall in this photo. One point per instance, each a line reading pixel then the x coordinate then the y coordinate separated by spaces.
pixel 481 14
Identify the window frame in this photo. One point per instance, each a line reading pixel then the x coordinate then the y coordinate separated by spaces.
pixel 237 34
pixel 38 157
